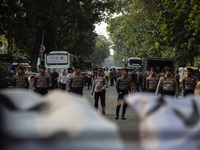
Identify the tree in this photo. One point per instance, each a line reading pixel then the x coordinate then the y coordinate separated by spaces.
pixel 101 50
pixel 63 25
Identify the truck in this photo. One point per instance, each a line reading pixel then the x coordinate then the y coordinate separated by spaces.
pixel 133 63
pixel 159 63
pixel 87 65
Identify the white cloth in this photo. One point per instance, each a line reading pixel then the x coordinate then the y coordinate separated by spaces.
pixel 67 120
pixel 172 125
pixel 63 78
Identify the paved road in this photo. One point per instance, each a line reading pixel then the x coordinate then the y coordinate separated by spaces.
pixel 128 128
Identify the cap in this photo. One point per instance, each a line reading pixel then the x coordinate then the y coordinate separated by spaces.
pixel 190 69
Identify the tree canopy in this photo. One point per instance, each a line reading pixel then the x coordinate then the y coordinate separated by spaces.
pixel 157 28
pixel 58 24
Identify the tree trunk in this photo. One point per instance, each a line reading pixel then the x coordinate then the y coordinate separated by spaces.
pixel 36 47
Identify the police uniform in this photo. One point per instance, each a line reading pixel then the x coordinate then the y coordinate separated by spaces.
pixel 123 87
pixel 20 81
pixel 68 78
pixel 100 82
pixel 76 83
pixel 41 83
pixel 151 83
pixel 189 84
pixel 167 86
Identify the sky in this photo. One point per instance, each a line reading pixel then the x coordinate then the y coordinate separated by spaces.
pixel 101 30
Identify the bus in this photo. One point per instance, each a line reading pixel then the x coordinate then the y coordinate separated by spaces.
pixel 134 63
pixel 59 60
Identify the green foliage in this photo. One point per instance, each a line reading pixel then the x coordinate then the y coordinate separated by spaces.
pixel 3 70
pixel 66 25
pixel 101 50
pixel 158 28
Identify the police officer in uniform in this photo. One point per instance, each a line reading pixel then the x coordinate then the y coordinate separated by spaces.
pixel 41 81
pixel 167 85
pixel 76 81
pixel 99 87
pixel 70 72
pixel 123 87
pixel 189 82
pixel 152 81
pixel 20 80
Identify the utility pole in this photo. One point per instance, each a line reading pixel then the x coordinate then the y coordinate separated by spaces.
pixel 42 54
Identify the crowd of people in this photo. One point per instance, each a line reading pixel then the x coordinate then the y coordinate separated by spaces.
pixel 126 81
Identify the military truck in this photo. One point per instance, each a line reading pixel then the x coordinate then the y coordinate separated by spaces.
pixel 159 63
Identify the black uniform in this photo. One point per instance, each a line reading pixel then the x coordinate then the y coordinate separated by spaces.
pixel 54 75
pixel 123 87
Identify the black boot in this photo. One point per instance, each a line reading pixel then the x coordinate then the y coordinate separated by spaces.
pixel 117 111
pixel 123 118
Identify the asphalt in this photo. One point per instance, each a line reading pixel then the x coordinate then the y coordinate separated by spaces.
pixel 128 128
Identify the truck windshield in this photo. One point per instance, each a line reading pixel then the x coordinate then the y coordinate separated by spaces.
pixel 57 59
pixel 135 62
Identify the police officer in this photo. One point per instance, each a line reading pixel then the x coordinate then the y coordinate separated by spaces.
pixel 145 76
pixel 133 80
pixel 139 80
pixel 189 82
pixel 90 74
pixel 76 81
pixel 20 80
pixel 167 85
pixel 41 81
pixel 162 74
pixel 152 81
pixel 123 87
pixel 99 87
pixel 111 76
pixel 70 72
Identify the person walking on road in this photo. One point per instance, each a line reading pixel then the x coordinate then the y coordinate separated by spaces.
pixel 133 77
pixel 106 73
pixel 54 79
pixel 111 76
pixel 28 72
pixel 70 73
pixel 41 81
pixel 63 80
pixel 99 87
pixel 145 76
pixel 20 80
pixel 152 81
pixel 189 82
pixel 167 85
pixel 139 80
pixel 123 87
pixel 76 81
pixel 89 75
